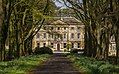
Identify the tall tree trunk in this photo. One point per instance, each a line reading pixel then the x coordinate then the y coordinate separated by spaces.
pixel 106 47
pixel 117 45
pixel 4 30
pixel 29 44
pixel 1 22
pixel 86 42
pixel 17 42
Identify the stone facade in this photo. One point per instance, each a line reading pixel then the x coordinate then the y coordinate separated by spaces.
pixel 61 34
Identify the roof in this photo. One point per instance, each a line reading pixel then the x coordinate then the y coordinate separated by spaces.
pixel 64 20
pixel 58 22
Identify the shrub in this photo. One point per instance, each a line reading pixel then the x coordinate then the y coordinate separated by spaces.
pixel 43 50
pixel 74 51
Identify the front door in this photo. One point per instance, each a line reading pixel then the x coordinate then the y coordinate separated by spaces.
pixel 58 47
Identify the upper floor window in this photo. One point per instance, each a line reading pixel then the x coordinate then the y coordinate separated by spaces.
pixel 64 28
pixel 78 28
pixel 44 35
pixel 58 28
pixel 64 36
pixel 72 35
pixel 112 39
pixel 37 35
pixel 44 28
pixel 72 28
pixel 78 35
pixel 58 36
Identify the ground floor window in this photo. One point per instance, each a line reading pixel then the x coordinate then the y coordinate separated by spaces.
pixel 52 45
pixel 72 45
pixel 65 45
pixel 78 45
pixel 38 44
pixel 44 44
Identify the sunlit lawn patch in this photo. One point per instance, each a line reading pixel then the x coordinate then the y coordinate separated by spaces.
pixel 22 65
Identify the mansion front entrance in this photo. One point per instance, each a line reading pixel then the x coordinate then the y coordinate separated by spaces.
pixel 58 47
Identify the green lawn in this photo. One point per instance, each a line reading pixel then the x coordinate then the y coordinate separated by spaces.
pixel 22 65
pixel 88 65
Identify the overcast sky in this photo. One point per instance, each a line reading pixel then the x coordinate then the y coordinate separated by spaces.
pixel 61 3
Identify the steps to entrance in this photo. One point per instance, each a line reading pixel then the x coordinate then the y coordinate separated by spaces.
pixel 58 64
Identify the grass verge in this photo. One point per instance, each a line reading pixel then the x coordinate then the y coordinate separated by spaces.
pixel 88 65
pixel 23 64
